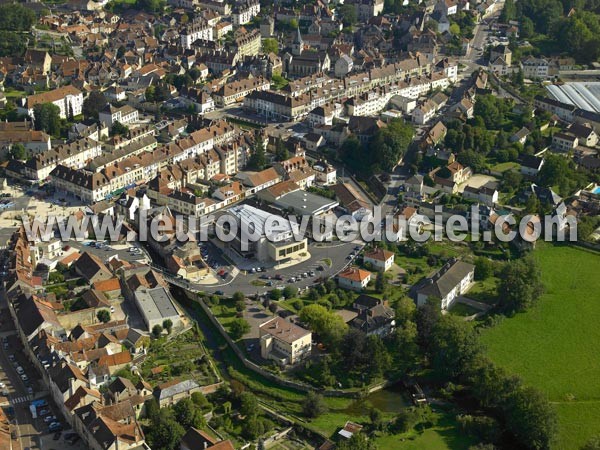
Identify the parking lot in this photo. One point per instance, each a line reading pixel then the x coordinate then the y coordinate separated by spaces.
pixel 105 250
pixel 326 260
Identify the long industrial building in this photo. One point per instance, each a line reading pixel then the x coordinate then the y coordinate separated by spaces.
pixel 584 95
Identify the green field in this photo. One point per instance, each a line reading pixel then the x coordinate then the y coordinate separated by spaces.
pixel 556 345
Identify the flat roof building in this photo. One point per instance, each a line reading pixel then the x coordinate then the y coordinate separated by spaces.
pixel 273 239
pixel 156 305
pixel 305 203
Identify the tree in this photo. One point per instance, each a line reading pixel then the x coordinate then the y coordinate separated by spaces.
pixel 164 433
pixel 531 419
pixel 348 13
pixel 526 27
pixel 188 414
pixel 453 345
pixel 592 444
pixel 509 12
pixel 16 17
pixel 199 400
pixel 248 404
pixel 168 325
pixel 17 151
pixel 150 5
pixel 119 129
pixel 390 144
pixel 427 317
pixel 238 296
pixel 484 268
pixel 270 45
pixel 240 305
pixel 472 159
pixel 157 331
pixel 404 348
pixel 238 327
pixel 405 310
pixel 47 118
pixel 103 315
pixel 290 291
pixel 12 44
pixel 520 285
pixel 313 405
pixel 92 105
pixel 281 151
pixel 257 160
pixel 358 441
pixel 329 326
pixel 376 418
pixel 484 428
pixel 275 294
pixel 380 282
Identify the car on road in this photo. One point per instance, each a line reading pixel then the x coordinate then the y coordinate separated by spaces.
pixel 219 292
pixel 50 419
pixel 44 412
pixel 24 377
pixel 20 370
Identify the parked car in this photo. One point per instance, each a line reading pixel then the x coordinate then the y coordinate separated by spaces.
pixel 20 370
pixel 55 426
pixel 44 412
pixel 11 358
pixel 50 419
pixel 24 377
pixel 29 390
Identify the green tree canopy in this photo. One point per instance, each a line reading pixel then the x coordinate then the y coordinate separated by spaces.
pixel 328 325
pixel 93 104
pixel 520 284
pixel 47 118
pixel 238 327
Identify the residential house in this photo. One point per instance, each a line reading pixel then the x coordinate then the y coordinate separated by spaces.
pixel 380 259
pixel 564 142
pixel 354 278
pixel 454 279
pixel 374 316
pixel 531 165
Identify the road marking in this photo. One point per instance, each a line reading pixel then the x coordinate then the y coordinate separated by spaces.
pixel 21 399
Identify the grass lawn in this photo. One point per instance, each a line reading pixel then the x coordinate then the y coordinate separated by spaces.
pixel 503 167
pixel 555 346
pixel 460 309
pixel 443 435
pixel 484 291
